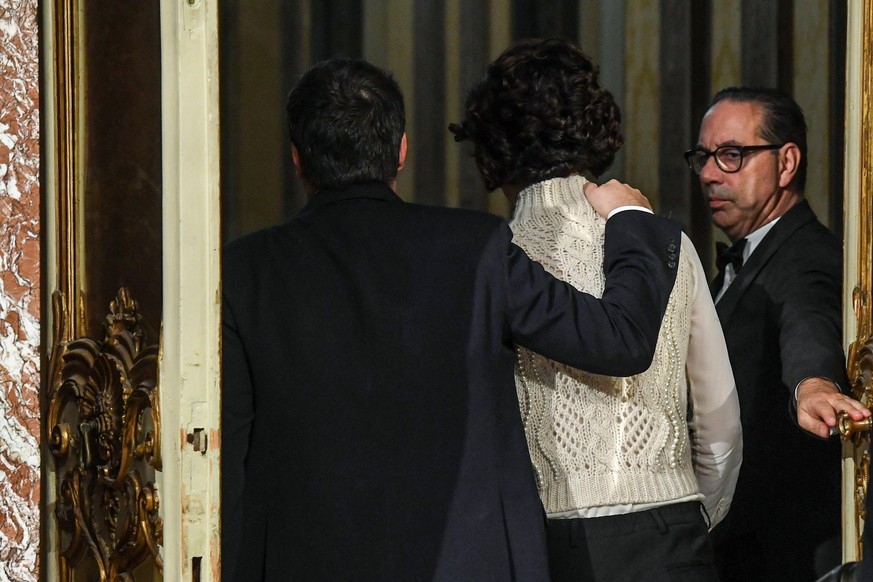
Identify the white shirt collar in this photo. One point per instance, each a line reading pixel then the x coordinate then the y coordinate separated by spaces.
pixel 754 239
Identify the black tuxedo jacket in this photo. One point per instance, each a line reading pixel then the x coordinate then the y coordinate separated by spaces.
pixel 370 427
pixel 781 318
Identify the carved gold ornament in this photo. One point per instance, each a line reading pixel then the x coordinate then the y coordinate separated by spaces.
pixel 860 360
pixel 862 476
pixel 104 432
pixel 860 369
pixel 860 352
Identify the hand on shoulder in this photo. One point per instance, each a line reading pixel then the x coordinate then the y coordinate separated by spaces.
pixel 614 194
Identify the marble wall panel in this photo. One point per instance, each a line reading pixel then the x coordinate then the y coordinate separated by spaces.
pixel 19 291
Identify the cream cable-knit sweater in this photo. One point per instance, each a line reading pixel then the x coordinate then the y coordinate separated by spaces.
pixel 598 440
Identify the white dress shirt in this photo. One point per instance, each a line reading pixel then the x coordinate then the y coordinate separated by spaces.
pixel 752 241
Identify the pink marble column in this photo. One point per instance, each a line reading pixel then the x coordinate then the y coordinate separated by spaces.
pixel 19 291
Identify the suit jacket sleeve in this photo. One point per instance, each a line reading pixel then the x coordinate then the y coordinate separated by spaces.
pixel 809 307
pixel 617 334
pixel 237 415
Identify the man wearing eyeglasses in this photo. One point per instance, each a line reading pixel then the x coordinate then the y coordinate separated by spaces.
pixel 778 296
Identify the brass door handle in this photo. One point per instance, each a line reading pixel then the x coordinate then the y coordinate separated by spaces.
pixel 853 428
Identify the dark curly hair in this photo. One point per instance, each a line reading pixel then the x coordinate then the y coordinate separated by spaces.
pixel 540 113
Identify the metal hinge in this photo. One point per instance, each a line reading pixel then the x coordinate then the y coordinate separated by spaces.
pixel 199 439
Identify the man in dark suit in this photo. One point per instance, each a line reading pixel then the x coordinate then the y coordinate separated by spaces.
pixel 778 296
pixel 370 428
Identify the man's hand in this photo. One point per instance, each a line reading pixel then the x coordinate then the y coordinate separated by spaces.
pixel 819 401
pixel 612 195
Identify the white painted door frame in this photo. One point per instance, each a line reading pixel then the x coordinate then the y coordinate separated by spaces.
pixel 190 364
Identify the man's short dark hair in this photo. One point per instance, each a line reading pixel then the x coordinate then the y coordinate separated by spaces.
pixel 346 119
pixel 539 113
pixel 783 120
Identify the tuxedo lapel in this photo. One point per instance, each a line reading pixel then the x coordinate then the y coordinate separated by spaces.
pixel 716 284
pixel 799 215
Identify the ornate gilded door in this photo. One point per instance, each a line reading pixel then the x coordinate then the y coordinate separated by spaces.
pixel 130 417
pixel 858 277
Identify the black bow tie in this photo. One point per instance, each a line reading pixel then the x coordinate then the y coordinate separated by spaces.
pixel 730 254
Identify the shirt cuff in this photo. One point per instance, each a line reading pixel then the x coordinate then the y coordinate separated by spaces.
pixel 623 208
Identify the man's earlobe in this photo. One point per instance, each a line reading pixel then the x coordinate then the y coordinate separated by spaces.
pixel 402 156
pixel 789 162
pixel 295 155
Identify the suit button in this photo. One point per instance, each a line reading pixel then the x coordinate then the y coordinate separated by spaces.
pixel 672 264
pixel 671 248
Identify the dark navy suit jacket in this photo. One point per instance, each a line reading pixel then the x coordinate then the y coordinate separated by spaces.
pixel 782 321
pixel 370 427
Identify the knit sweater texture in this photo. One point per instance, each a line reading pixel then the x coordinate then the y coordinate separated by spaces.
pixel 598 440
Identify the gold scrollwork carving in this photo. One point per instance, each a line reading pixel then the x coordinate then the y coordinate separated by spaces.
pixel 104 432
pixel 860 370
pixel 860 360
pixel 860 352
pixel 862 474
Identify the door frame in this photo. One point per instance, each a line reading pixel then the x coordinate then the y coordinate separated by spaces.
pixel 858 260
pixel 189 361
pixel 189 369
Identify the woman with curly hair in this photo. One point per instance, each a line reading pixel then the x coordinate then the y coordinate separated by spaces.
pixel 631 471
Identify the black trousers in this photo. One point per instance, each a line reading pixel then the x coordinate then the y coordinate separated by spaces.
pixel 665 543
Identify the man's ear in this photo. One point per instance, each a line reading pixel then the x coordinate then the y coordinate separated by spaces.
pixel 402 152
pixel 789 162
pixel 295 155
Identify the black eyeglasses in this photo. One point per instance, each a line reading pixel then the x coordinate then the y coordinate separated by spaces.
pixel 728 158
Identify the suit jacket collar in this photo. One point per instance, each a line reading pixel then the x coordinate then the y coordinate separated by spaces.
pixel 365 190
pixel 799 215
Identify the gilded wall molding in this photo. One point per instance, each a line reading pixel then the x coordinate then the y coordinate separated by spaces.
pixel 102 418
pixel 103 429
pixel 860 352
pixel 65 61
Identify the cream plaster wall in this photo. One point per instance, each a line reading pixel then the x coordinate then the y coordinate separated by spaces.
pixel 812 93
pixel 642 98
